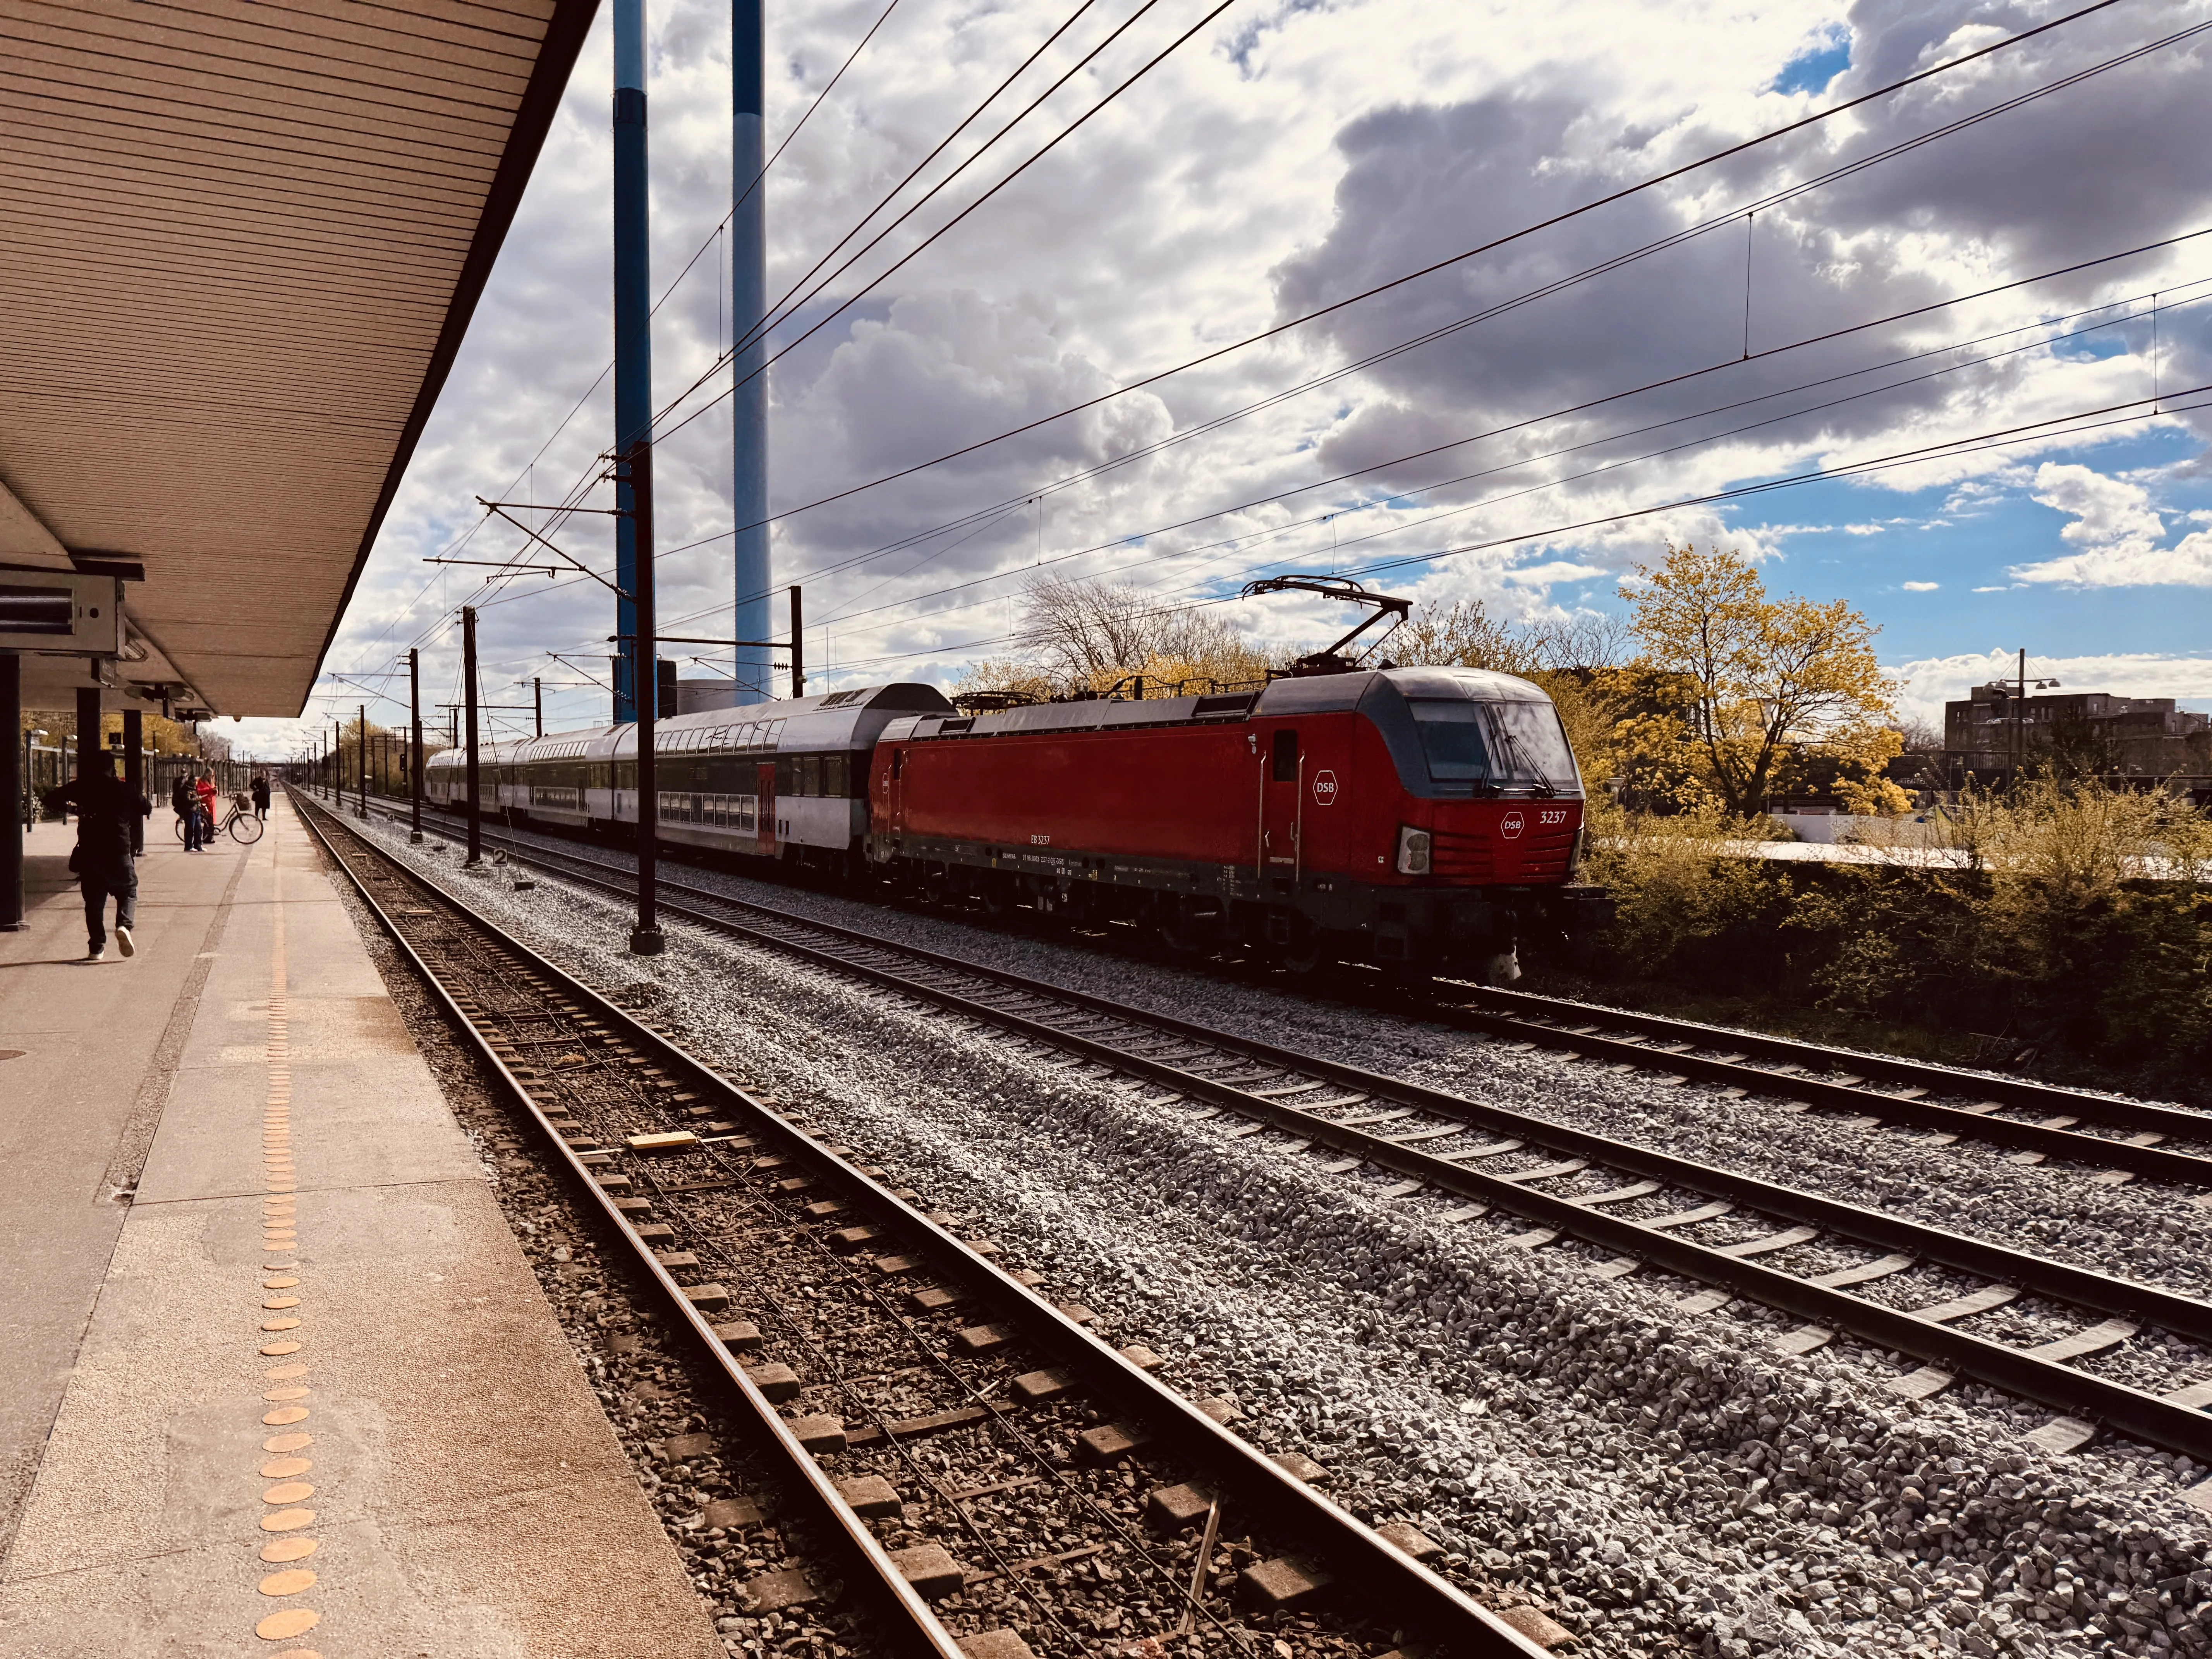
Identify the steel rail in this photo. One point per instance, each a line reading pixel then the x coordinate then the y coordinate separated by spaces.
pixel 913 1628
pixel 2159 1421
pixel 1407 1592
pixel 1519 1011
pixel 2048 1140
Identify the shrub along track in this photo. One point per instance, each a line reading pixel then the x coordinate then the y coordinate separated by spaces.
pixel 975 1461
pixel 1896 1283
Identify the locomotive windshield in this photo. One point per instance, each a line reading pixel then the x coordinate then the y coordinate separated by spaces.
pixel 1452 738
pixel 1505 744
pixel 1537 745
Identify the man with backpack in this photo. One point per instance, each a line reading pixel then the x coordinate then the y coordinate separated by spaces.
pixel 185 802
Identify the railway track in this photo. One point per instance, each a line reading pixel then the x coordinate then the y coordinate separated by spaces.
pixel 1923 1292
pixel 997 1479
pixel 2039 1121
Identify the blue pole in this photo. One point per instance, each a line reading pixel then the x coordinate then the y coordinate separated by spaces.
pixel 748 303
pixel 633 338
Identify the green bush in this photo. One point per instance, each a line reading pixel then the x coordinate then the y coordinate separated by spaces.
pixel 2067 914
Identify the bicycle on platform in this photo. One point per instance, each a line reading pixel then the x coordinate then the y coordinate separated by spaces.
pixel 241 821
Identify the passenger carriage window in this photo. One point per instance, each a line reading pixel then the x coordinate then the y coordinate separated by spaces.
pixel 834 772
pixel 810 774
pixel 1285 756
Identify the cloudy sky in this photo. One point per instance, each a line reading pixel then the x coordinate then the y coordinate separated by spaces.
pixel 1994 471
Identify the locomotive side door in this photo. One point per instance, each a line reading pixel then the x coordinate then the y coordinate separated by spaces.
pixel 764 808
pixel 1281 761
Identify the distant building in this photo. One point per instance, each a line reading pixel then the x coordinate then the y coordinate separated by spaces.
pixel 2087 732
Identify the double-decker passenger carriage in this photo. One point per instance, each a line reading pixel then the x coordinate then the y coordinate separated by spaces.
pixel 780 781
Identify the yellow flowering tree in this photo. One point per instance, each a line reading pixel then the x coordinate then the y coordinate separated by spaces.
pixel 1780 690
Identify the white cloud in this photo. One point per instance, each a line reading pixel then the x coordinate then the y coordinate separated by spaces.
pixel 2118 531
pixel 1283 159
pixel 1554 573
pixel 1922 587
pixel 1932 681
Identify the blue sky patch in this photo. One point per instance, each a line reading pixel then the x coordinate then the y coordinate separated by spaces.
pixel 1811 70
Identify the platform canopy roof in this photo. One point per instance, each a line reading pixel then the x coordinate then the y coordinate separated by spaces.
pixel 243 241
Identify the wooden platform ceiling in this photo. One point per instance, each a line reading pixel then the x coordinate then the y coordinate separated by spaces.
pixel 243 243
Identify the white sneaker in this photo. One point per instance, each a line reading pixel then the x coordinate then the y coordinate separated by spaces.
pixel 96 953
pixel 123 942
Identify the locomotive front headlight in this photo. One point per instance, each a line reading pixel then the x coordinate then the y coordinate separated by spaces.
pixel 1412 851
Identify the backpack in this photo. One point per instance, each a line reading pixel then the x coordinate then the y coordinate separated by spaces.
pixel 180 799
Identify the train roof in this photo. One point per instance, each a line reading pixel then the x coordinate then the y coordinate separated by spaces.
pixel 1311 695
pixel 827 721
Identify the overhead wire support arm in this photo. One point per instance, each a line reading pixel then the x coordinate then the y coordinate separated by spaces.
pixel 510 567
pixel 687 639
pixel 561 508
pixel 500 509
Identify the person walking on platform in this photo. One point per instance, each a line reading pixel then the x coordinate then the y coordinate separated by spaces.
pixel 104 807
pixel 210 815
pixel 185 804
pixel 260 796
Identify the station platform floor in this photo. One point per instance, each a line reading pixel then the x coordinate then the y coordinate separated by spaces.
pixel 275 1376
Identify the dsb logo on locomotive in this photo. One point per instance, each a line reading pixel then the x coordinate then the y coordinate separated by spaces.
pixel 1324 789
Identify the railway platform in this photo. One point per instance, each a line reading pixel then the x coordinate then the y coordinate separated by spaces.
pixel 275 1376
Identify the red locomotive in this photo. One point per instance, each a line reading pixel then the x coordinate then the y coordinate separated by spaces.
pixel 1416 817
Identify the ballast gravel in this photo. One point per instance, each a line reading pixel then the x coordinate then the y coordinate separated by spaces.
pixel 1660 1483
pixel 650 1387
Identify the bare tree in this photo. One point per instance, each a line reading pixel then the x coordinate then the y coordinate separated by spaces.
pixel 1468 636
pixel 1586 640
pixel 1465 636
pixel 1921 737
pixel 1087 634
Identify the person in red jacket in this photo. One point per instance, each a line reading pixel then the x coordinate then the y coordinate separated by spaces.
pixel 209 816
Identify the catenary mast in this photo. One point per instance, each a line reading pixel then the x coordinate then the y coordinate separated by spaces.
pixel 633 347
pixel 748 302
